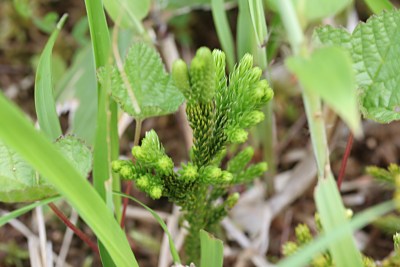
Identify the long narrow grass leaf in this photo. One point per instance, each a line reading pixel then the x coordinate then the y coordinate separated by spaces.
pixel 304 255
pixel 223 30
pixel 174 252
pixel 258 20
pixel 21 211
pixel 377 6
pixel 58 170
pixel 44 97
pixel 332 214
pixel 245 37
pixel 106 140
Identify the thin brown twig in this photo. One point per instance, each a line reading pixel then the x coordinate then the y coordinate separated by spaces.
pixel 344 159
pixel 75 229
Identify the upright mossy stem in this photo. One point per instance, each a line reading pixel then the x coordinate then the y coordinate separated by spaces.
pixel 219 114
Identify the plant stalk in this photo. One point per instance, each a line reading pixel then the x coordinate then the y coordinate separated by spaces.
pixel 73 227
pixel 136 140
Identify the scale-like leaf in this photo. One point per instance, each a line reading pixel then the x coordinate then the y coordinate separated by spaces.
pixel 375 50
pixel 149 84
pixel 20 183
pixel 328 73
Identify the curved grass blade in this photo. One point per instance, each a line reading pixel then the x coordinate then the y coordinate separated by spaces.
pixel 16 213
pixel 106 139
pixel 174 252
pixel 304 255
pixel 44 99
pixel 377 6
pixel 58 170
pixel 332 214
pixel 223 30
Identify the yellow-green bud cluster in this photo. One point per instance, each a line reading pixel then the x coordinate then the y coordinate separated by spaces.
pixel 124 168
pixel 289 248
pixel 165 165
pixel 150 184
pixel 180 76
pixel 213 175
pixel 237 135
pixel 303 234
pixel 188 172
pixel 320 260
pixel 239 162
pixel 252 118
pixel 253 171
pixel 197 84
pixel 232 200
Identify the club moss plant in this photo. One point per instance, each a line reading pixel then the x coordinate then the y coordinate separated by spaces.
pixel 219 110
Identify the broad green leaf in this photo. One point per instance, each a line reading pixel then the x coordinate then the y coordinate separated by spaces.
pixel 332 214
pixel 377 6
pixel 149 85
pixel 18 180
pixel 223 30
pixel 20 183
pixel 375 54
pixel 44 99
pixel 129 13
pixel 77 152
pixel 304 255
pixel 328 73
pixel 212 250
pixel 52 164
pixel 23 8
pixel 174 252
pixel 21 211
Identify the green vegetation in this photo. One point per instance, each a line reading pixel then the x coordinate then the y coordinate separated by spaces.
pixel 226 93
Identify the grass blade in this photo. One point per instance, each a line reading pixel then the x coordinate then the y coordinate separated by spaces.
pixel 223 30
pixel 174 252
pixel 212 250
pixel 258 20
pixel 53 165
pixel 304 255
pixel 332 213
pixel 377 6
pixel 16 213
pixel 44 99
pixel 245 38
pixel 106 140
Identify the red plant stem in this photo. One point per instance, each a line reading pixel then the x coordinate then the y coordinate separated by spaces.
pixel 126 200
pixel 75 229
pixel 344 159
pixel 136 140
